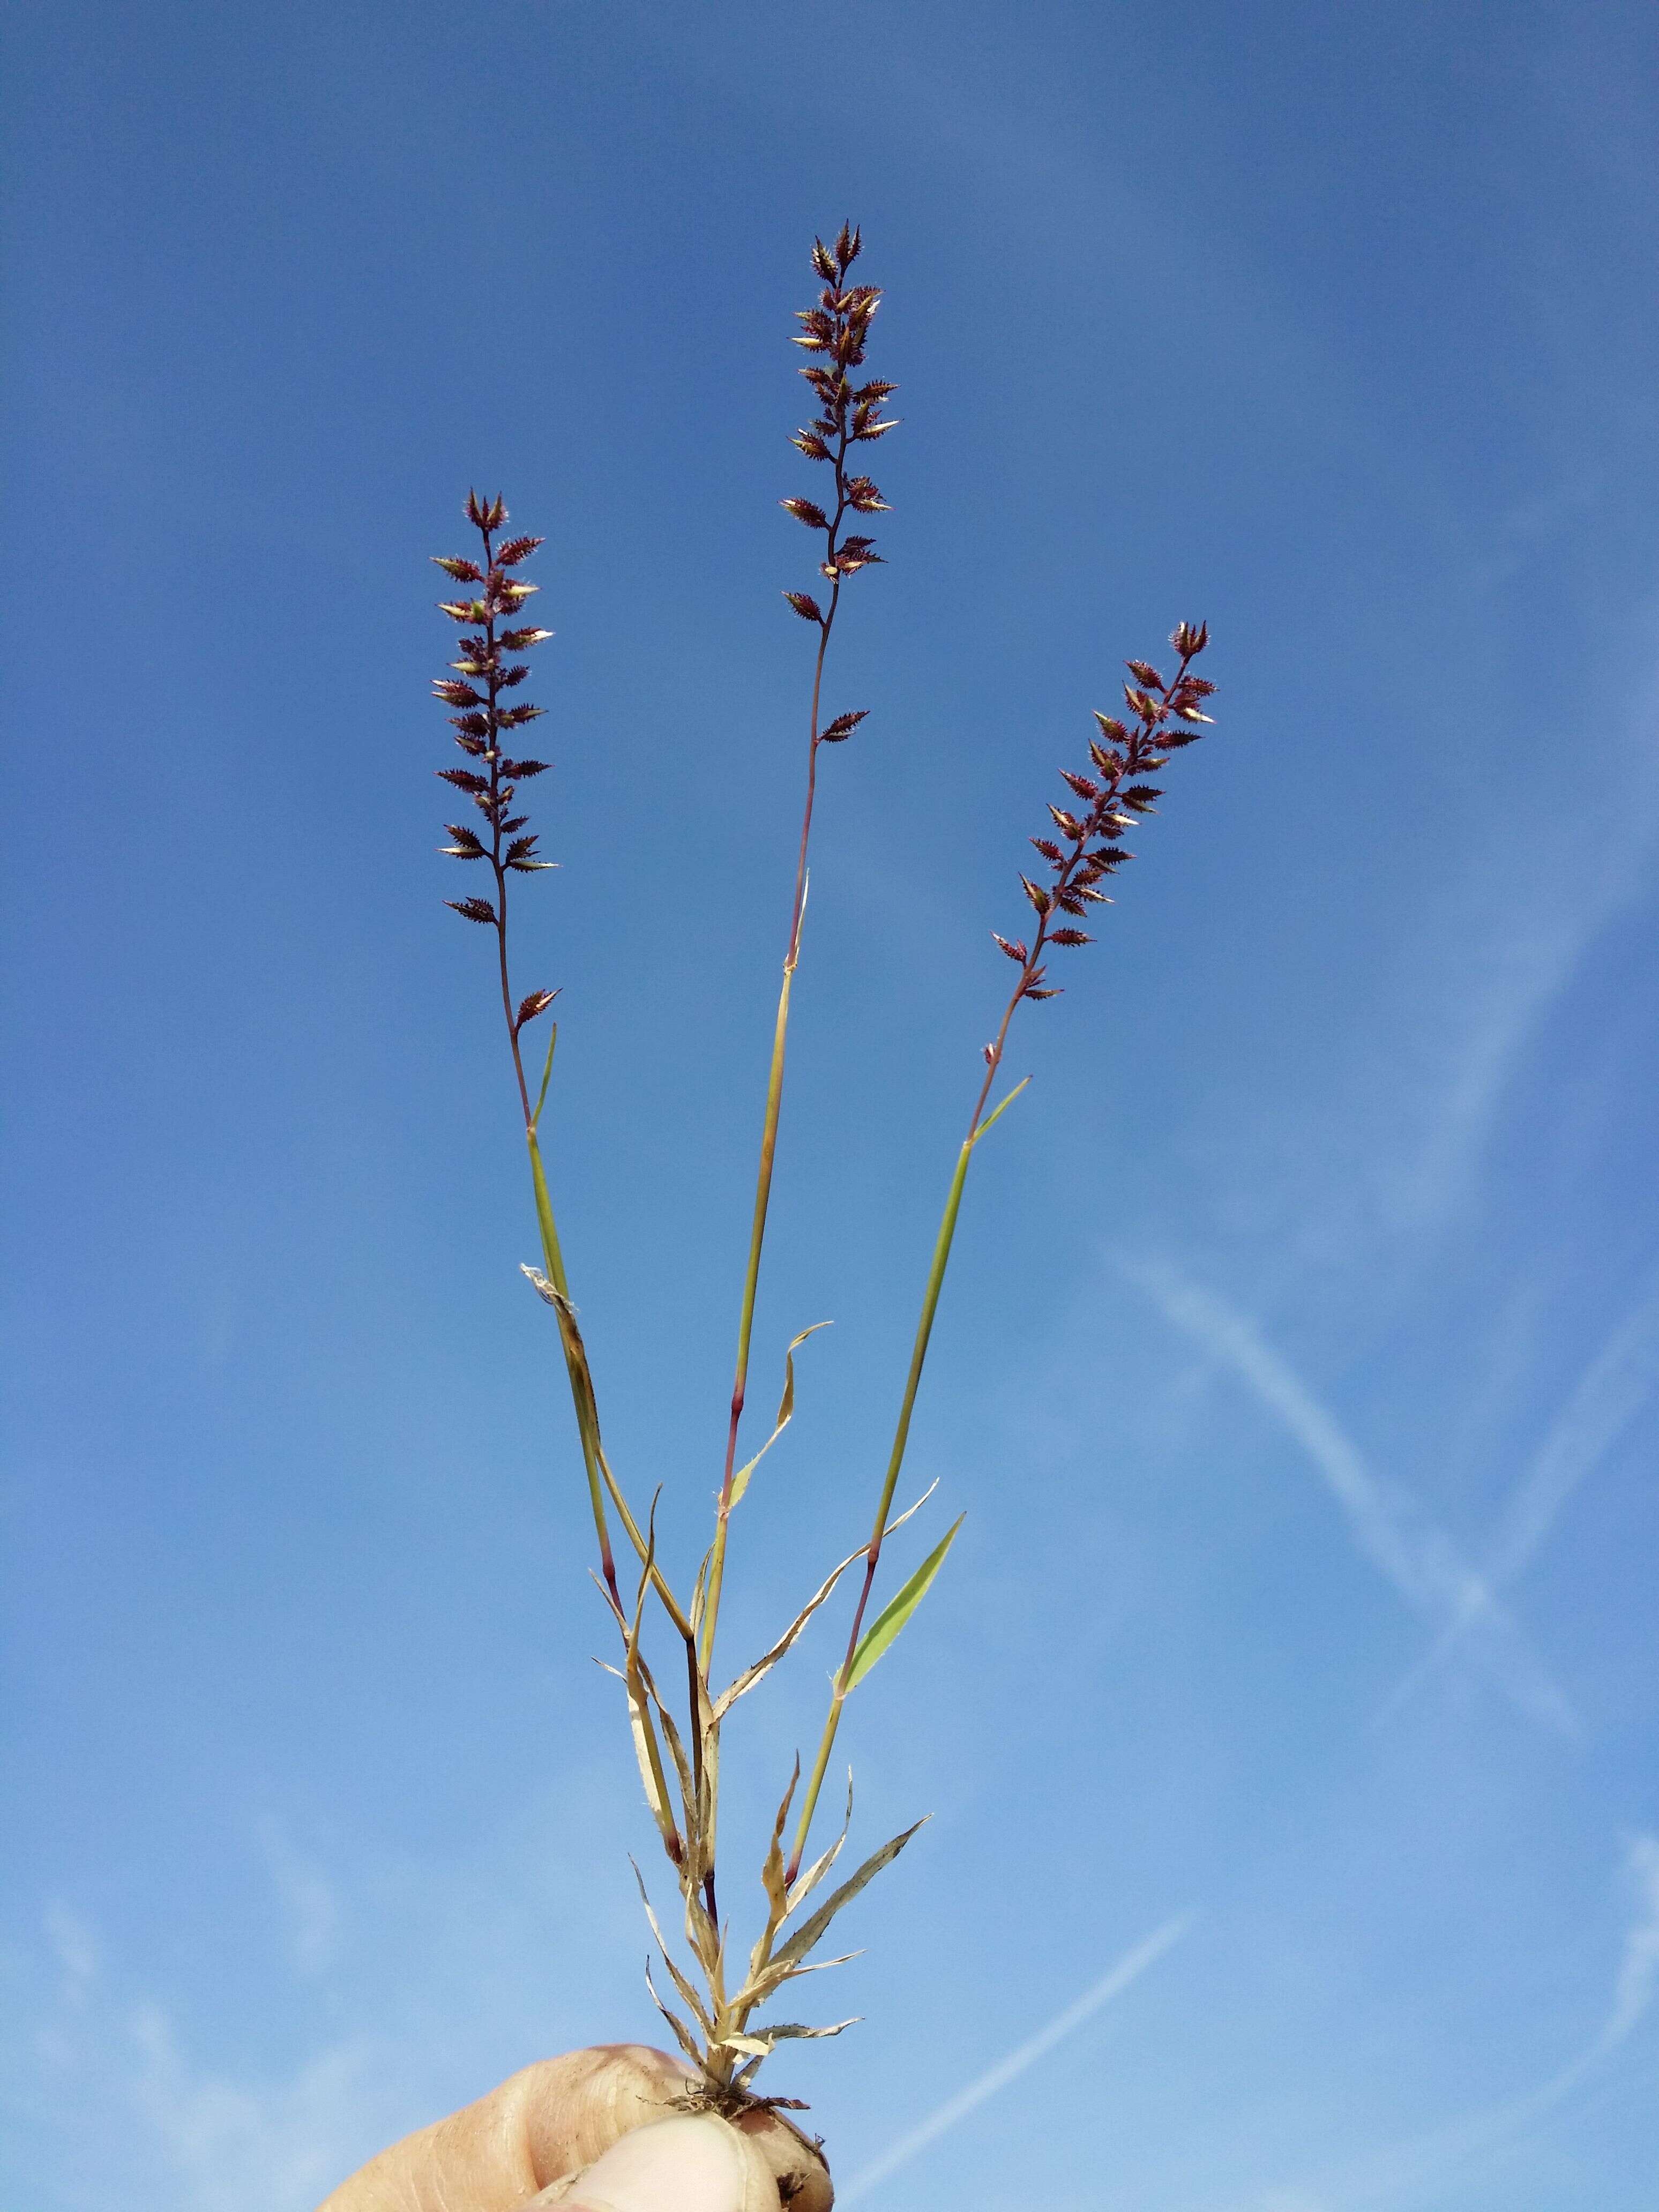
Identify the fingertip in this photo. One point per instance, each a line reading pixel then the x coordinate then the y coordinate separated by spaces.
pixel 693 2163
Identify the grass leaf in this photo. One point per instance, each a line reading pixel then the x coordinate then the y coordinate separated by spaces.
pixel 682 2034
pixel 810 1932
pixel 997 1112
pixel 547 1075
pixel 804 1884
pixel 785 1411
pixel 746 1682
pixel 688 1992
pixel 883 1630
pixel 764 1664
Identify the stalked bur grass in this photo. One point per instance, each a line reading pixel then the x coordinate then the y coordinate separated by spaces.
pixel 679 1760
pixel 850 414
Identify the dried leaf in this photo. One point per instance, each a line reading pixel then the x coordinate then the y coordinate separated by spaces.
pixel 649 1759
pixel 687 1990
pixel 805 605
pixel 804 1884
pixel 763 1665
pixel 787 2031
pixel 785 1410
pixel 472 909
pixel 772 1874
pixel 682 2034
pixel 807 1936
pixel 747 2042
pixel 746 1682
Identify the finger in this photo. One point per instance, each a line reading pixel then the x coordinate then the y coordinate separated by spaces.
pixel 540 2125
pixel 688 2164
pixel 702 2163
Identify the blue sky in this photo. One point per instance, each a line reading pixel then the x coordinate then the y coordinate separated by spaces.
pixel 1293 1683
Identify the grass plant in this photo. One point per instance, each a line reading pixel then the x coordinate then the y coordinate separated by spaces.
pixel 726 2024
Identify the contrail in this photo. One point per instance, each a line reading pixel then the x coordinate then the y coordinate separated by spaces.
pixel 1387 1526
pixel 1129 1968
pixel 1612 1392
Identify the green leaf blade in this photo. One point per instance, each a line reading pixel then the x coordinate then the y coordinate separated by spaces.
pixel 884 1631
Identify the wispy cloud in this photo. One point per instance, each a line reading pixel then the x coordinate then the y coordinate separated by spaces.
pixel 176 2128
pixel 1129 1968
pixel 311 1899
pixel 1388 1527
pixel 1618 1381
pixel 263 2146
pixel 1431 2162
pixel 75 1946
pixel 1639 1969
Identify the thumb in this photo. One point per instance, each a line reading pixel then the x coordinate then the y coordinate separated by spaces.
pixel 695 2164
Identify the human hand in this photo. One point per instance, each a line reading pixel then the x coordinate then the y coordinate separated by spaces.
pixel 595 2131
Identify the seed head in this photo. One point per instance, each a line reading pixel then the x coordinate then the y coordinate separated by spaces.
pixel 484 676
pixel 834 332
pixel 1110 800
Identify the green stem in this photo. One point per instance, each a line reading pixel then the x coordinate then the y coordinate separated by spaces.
pixel 575 1362
pixel 947 1229
pixel 775 1083
pixel 746 1317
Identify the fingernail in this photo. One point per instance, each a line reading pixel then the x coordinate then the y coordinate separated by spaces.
pixel 689 2165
